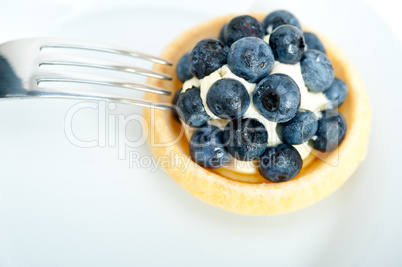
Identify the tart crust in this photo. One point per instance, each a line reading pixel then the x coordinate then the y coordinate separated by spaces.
pixel 318 179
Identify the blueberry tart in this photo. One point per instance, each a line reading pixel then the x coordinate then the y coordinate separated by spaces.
pixel 271 116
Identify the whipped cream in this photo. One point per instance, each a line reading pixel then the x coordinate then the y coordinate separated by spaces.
pixel 314 102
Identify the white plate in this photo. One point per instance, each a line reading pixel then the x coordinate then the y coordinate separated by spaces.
pixel 62 205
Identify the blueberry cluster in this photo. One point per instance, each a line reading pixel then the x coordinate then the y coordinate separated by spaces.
pixel 276 96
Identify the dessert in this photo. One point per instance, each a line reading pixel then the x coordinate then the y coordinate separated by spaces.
pixel 282 107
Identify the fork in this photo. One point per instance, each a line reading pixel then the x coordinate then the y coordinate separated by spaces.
pixel 21 75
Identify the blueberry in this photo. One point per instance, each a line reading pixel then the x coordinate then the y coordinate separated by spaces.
pixel 298 130
pixel 316 70
pixel 312 42
pixel 174 102
pixel 190 108
pixel 330 132
pixel 337 92
pixel 183 68
pixel 242 26
pixel 228 99
pixel 251 58
pixel 207 56
pixel 277 97
pixel 207 149
pixel 278 18
pixel 221 34
pixel 280 164
pixel 246 139
pixel 287 43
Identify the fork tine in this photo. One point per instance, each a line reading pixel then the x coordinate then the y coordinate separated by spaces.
pixel 106 97
pixel 97 80
pixel 94 63
pixel 61 43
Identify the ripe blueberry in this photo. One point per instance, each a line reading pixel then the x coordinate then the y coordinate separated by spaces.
pixel 312 42
pixel 280 164
pixel 174 102
pixel 278 18
pixel 277 97
pixel 246 139
pixel 316 70
pixel 287 43
pixel 240 27
pixel 191 109
pixel 298 130
pixel 221 34
pixel 337 92
pixel 228 99
pixel 207 56
pixel 183 68
pixel 207 149
pixel 330 132
pixel 251 58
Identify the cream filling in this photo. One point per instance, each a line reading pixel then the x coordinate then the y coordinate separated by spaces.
pixel 314 102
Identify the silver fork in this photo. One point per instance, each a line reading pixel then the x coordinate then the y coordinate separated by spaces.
pixel 21 75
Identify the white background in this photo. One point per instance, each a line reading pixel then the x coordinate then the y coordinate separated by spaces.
pixel 62 205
